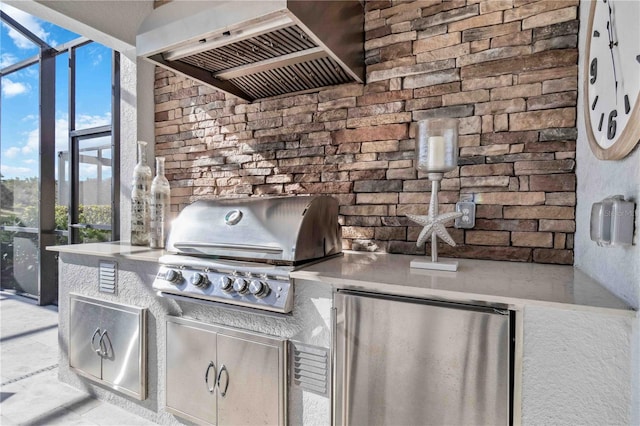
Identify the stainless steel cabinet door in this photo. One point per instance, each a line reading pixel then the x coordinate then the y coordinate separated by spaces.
pixel 405 362
pixel 84 337
pixel 191 363
pixel 122 352
pixel 107 343
pixel 250 382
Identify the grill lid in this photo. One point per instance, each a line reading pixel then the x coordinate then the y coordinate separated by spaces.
pixel 289 230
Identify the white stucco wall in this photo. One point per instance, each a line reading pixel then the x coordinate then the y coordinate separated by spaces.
pixel 136 123
pixel 617 268
pixel 574 372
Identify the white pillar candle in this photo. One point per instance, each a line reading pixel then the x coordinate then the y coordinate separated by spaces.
pixel 436 153
pixel 436 145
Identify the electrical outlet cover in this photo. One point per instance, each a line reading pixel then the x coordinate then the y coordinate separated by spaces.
pixel 468 218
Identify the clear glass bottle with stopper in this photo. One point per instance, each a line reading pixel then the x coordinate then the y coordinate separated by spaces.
pixel 140 217
pixel 160 201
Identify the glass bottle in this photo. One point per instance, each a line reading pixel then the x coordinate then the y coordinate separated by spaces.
pixel 140 186
pixel 160 200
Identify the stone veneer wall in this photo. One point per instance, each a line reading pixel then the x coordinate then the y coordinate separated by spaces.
pixel 506 68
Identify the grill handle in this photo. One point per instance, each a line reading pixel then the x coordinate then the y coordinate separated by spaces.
pixel 228 246
pixel 255 311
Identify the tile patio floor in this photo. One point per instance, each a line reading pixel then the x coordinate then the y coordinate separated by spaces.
pixel 30 393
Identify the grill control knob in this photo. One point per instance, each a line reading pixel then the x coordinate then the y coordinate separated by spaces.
pixel 226 284
pixel 259 289
pixel 241 286
pixel 173 276
pixel 199 280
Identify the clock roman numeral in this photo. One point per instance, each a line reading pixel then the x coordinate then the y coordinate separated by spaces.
pixel 627 107
pixel 593 105
pixel 601 120
pixel 596 33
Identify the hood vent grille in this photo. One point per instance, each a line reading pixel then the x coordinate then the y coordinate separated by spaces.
pixel 293 78
pixel 258 49
pixel 267 46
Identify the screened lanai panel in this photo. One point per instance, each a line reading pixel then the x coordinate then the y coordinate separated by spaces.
pixel 19 182
pixel 93 86
pixel 95 185
pixel 62 170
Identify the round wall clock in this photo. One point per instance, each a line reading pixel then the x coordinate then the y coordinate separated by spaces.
pixel 612 78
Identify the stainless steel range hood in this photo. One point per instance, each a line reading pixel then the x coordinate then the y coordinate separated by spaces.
pixel 258 49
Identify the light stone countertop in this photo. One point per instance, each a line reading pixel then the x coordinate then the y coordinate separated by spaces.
pixel 477 281
pixel 113 249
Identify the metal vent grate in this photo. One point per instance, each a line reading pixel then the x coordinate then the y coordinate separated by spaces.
pixel 260 48
pixel 107 277
pixel 292 78
pixel 310 367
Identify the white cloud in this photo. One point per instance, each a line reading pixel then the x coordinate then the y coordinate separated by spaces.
pixel 62 134
pixel 97 59
pixel 14 171
pixel 85 121
pixel 33 142
pixel 87 171
pixel 30 117
pixel 31 72
pixel 7 59
pixel 11 88
pixel 31 23
pixel 30 147
pixel 12 152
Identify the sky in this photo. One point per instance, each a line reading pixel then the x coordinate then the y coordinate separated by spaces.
pixel 19 135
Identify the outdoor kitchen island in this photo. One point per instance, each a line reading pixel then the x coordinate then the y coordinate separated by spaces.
pixel 565 324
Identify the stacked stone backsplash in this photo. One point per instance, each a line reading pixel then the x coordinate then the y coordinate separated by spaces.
pixel 506 68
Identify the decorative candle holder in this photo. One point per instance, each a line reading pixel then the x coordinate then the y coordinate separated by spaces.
pixel 436 154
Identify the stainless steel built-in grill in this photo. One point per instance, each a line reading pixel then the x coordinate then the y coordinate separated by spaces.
pixel 241 251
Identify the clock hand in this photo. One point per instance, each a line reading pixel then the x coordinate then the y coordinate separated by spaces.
pixel 611 44
pixel 614 39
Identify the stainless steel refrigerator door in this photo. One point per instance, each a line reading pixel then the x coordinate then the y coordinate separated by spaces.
pixel 402 361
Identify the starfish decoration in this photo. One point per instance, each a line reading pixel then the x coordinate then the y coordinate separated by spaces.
pixel 434 224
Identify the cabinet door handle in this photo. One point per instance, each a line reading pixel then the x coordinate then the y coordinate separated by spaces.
pixel 103 344
pixel 223 368
pixel 206 376
pixel 93 338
